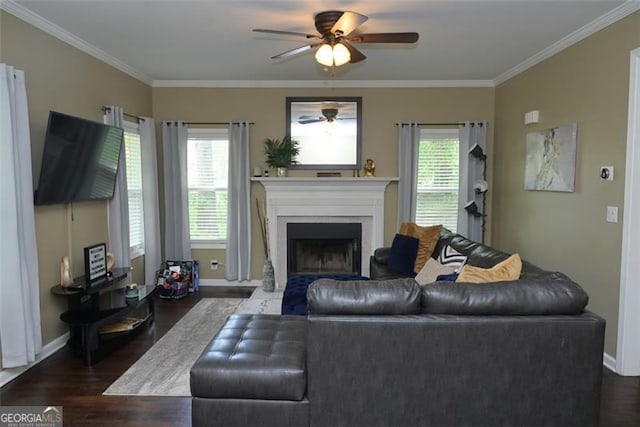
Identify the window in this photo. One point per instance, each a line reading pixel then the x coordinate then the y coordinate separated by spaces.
pixel 208 165
pixel 438 178
pixel 134 188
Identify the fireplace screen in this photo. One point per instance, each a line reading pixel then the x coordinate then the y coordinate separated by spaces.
pixel 324 248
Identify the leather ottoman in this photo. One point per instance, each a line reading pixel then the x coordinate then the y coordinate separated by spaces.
pixel 253 372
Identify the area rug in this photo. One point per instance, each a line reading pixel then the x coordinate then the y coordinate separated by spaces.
pixel 164 369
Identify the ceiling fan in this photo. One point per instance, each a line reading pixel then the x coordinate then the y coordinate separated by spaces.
pixel 336 37
pixel 329 114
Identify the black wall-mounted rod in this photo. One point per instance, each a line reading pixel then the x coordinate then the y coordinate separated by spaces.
pixel 429 124
pixel 440 124
pixel 214 123
pixel 133 116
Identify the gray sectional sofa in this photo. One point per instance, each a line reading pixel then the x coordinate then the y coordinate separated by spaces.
pixel 393 353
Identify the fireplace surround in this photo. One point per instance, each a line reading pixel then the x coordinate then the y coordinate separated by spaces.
pixel 324 200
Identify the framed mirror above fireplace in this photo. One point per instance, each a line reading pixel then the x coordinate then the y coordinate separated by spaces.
pixel 328 130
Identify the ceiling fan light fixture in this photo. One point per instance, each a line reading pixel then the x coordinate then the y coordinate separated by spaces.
pixel 324 55
pixel 336 55
pixel 341 54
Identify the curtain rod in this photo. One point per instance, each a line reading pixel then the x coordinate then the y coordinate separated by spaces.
pixel 440 124
pixel 429 124
pixel 105 109
pixel 138 118
pixel 214 123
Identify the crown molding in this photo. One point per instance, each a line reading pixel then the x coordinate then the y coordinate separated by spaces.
pixel 50 28
pixel 322 83
pixel 594 26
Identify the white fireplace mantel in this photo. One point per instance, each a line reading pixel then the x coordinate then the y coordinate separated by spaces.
pixel 317 200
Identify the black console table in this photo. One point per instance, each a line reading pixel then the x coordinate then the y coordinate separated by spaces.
pixel 93 330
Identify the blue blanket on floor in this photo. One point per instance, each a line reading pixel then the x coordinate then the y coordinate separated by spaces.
pixel 294 300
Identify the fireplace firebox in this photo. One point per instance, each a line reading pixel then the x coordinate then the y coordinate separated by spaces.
pixel 324 248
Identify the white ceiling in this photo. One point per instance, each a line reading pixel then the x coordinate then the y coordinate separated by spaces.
pixel 172 42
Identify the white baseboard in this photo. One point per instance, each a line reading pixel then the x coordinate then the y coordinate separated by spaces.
pixel 609 362
pixel 227 283
pixel 9 374
pixel 224 282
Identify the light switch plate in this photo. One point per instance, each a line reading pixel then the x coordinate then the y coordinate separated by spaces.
pixel 612 214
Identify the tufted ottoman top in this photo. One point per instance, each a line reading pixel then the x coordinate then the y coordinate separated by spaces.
pixel 254 356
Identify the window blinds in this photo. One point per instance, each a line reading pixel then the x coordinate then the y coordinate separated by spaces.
pixel 438 179
pixel 134 189
pixel 208 166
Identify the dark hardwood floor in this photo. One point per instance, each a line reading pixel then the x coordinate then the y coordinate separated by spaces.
pixel 63 380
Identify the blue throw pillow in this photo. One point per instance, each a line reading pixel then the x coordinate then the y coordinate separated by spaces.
pixel 447 277
pixel 403 253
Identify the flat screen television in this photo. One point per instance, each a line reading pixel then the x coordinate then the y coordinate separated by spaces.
pixel 79 161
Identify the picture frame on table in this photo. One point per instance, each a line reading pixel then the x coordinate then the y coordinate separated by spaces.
pixel 95 263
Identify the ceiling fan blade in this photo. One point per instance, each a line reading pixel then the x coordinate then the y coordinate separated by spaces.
pixel 384 38
pixel 295 51
pixel 356 55
pixel 348 22
pixel 286 33
pixel 307 121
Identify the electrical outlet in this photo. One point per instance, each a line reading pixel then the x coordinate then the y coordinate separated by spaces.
pixel 214 264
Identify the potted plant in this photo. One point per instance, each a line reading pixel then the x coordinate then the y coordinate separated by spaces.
pixel 281 153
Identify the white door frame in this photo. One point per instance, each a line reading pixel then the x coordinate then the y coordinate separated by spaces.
pixel 628 351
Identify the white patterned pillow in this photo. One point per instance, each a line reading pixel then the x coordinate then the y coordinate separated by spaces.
pixel 452 258
pixel 431 270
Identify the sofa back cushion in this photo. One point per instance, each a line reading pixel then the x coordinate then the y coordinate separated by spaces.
pixel 486 257
pixel 445 237
pixel 385 297
pixel 480 255
pixel 552 293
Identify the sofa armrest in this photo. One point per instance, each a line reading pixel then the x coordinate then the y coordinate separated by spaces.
pixel 554 293
pixel 381 255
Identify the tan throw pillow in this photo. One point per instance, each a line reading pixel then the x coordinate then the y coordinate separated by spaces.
pixel 428 237
pixel 431 270
pixel 509 269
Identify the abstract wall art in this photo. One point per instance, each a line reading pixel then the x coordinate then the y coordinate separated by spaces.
pixel 551 159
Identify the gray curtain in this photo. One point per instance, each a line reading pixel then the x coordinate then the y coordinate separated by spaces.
pixel 20 331
pixel 118 207
pixel 150 200
pixel 408 144
pixel 176 196
pixel 238 265
pixel 472 170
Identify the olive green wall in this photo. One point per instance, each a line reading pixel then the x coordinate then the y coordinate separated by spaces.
pixel 381 109
pixel 62 78
pixel 587 84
